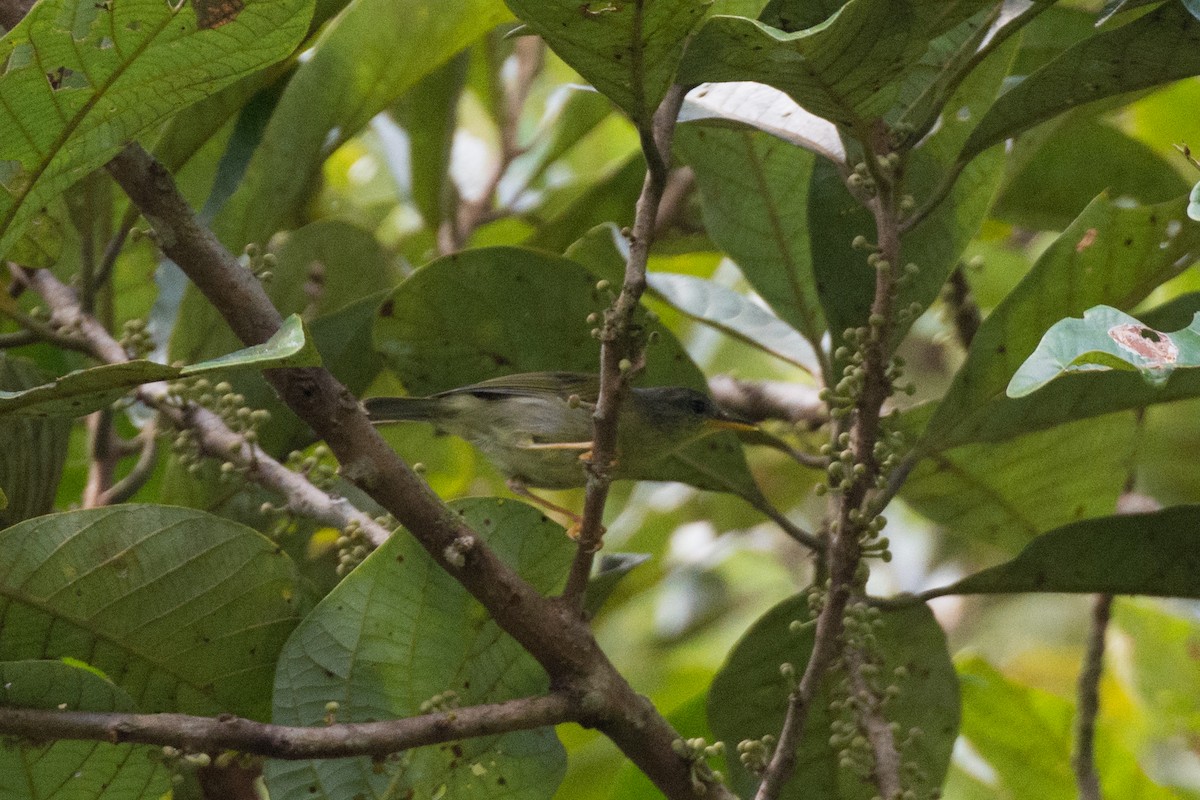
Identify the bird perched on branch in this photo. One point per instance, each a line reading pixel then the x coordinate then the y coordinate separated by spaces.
pixel 536 427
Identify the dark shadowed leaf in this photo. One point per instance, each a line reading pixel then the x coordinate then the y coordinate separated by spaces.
pixel 184 611
pixel 1153 554
pixel 1162 46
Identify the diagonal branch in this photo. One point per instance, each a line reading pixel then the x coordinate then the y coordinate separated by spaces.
pixel 227 732
pixel 549 630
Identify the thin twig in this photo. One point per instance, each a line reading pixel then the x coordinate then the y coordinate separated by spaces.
pixel 18 339
pixel 215 438
pixel 103 456
pixel 136 478
pixel 619 349
pixel 875 725
pixel 1083 760
pixel 339 740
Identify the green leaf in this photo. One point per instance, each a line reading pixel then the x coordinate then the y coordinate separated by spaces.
pixel 87 390
pixel 740 104
pixel 610 197
pixel 366 58
pixel 429 114
pixel 1057 173
pixel 749 696
pixel 70 769
pixel 1004 494
pixel 399 631
pixel 82 79
pixel 845 281
pixel 628 51
pixel 1151 554
pixel 1114 255
pixel 290 346
pixel 186 611
pixel 1104 340
pixel 34 451
pixel 754 192
pixel 734 314
pixel 1162 46
pixel 495 311
pixel 1025 735
pixel 1165 672
pixel 612 568
pixel 843 69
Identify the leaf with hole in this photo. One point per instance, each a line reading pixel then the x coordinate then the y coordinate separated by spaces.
pixel 1107 339
pixel 82 79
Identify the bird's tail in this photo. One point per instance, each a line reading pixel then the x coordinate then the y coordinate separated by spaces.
pixel 394 409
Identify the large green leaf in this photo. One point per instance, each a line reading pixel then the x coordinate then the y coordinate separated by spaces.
pixel 83 78
pixel 87 390
pixel 500 310
pixel 34 451
pixel 845 282
pixel 183 610
pixel 628 51
pixel 72 769
pixel 754 188
pixel 749 696
pixel 843 69
pixel 1153 554
pixel 398 632
pixel 1025 735
pixel 365 59
pixel 1007 493
pixel 1159 47
pixel 1053 173
pixel 1113 254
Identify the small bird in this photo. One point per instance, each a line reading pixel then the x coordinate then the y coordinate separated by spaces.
pixel 536 427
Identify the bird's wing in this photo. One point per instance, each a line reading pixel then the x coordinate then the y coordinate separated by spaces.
pixel 558 384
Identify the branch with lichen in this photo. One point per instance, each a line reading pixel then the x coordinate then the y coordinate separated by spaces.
pixel 860 459
pixel 208 430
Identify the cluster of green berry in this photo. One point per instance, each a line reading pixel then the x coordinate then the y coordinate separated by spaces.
pixel 696 752
pixel 231 407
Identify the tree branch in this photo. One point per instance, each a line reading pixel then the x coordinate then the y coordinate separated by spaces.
pixel 548 629
pixel 216 439
pixel 620 349
pixel 1083 760
pixel 342 740
pixel 854 434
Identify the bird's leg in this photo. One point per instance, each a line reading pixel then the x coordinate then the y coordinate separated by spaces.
pixel 519 488
pixel 556 446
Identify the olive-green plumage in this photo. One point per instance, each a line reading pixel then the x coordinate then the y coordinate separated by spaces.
pixel 517 421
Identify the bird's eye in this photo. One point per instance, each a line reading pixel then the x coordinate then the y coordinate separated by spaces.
pixel 698 405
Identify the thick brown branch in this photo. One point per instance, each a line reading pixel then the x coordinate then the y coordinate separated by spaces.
pixel 548 629
pixel 210 735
